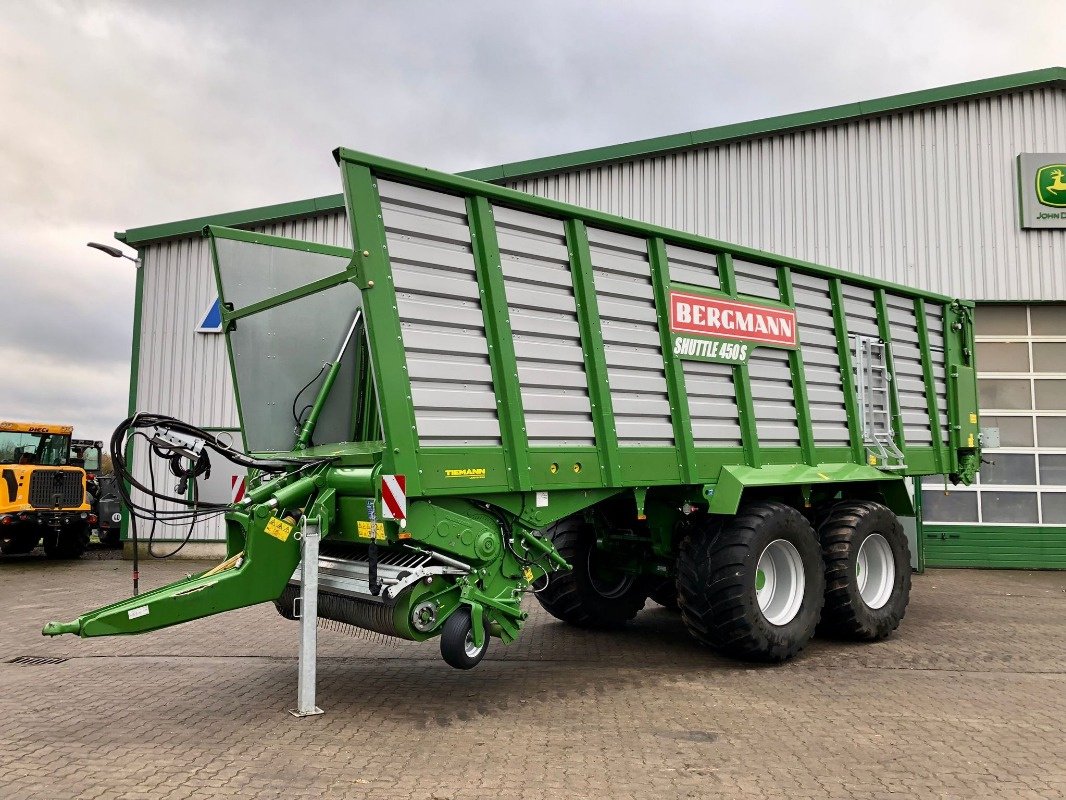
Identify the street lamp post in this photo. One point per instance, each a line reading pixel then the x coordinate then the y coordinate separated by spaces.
pixel 114 252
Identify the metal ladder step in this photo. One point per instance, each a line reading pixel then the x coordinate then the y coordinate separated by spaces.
pixel 874 389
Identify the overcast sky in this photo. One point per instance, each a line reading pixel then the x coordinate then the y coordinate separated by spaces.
pixel 115 115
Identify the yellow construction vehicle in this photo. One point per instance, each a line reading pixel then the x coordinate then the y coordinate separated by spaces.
pixel 42 495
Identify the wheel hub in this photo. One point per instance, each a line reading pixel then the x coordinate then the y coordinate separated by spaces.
pixel 875 571
pixel 424 616
pixel 779 582
pixel 471 649
pixel 605 580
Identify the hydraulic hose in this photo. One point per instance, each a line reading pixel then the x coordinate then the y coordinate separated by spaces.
pixel 187 467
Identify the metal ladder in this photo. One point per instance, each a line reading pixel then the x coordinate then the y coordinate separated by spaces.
pixel 873 385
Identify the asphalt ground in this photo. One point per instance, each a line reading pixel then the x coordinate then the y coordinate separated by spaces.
pixel 966 700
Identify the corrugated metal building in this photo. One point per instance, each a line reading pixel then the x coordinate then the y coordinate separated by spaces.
pixel 934 189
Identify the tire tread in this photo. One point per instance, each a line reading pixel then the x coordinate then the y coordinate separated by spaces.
pixel 841 616
pixel 566 597
pixel 712 590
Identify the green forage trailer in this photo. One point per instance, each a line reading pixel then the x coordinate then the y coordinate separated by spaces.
pixel 493 394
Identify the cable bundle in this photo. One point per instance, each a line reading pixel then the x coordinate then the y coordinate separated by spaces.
pixel 184 467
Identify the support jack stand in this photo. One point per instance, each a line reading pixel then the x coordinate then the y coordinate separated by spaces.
pixel 305 691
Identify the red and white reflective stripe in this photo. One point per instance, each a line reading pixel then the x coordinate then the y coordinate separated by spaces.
pixel 236 488
pixel 394 496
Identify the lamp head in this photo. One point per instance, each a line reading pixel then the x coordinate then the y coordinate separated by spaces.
pixel 114 252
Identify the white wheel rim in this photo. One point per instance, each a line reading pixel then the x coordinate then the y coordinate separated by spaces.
pixel 779 582
pixel 471 649
pixel 875 571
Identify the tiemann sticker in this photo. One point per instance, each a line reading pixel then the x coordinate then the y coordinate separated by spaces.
pixel 471 474
pixel 707 328
pixel 279 529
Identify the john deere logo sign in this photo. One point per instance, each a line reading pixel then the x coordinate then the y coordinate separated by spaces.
pixel 1051 186
pixel 1042 190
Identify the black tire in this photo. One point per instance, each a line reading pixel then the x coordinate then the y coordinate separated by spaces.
pixel 110 538
pixel 665 594
pixel 717 576
pixel 68 543
pixel 286 603
pixel 576 596
pixel 843 533
pixel 23 539
pixel 457 643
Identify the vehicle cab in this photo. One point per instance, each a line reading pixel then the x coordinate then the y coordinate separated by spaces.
pixel 42 494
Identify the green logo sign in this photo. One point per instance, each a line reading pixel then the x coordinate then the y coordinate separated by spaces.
pixel 1051 185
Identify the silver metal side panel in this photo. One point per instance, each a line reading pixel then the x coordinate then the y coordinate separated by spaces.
pixel 860 309
pixel 252 272
pixel 547 339
pixel 693 267
pixel 276 352
pixel 712 404
pixel 773 397
pixel 632 347
pixel 821 365
pixel 907 370
pixel 756 280
pixel 934 320
pixel 442 325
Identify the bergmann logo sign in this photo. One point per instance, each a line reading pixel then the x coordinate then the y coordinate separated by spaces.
pixel 1042 190
pixel 711 328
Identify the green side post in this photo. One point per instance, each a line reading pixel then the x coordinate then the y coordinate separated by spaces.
pixel 952 358
pixel 374 278
pixel 675 377
pixel 963 398
pixel 799 375
pixel 502 362
pixel 749 431
pixel 919 526
pixel 588 318
pixel 726 276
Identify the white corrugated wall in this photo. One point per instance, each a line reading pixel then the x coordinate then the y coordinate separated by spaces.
pixel 184 373
pixel 925 197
